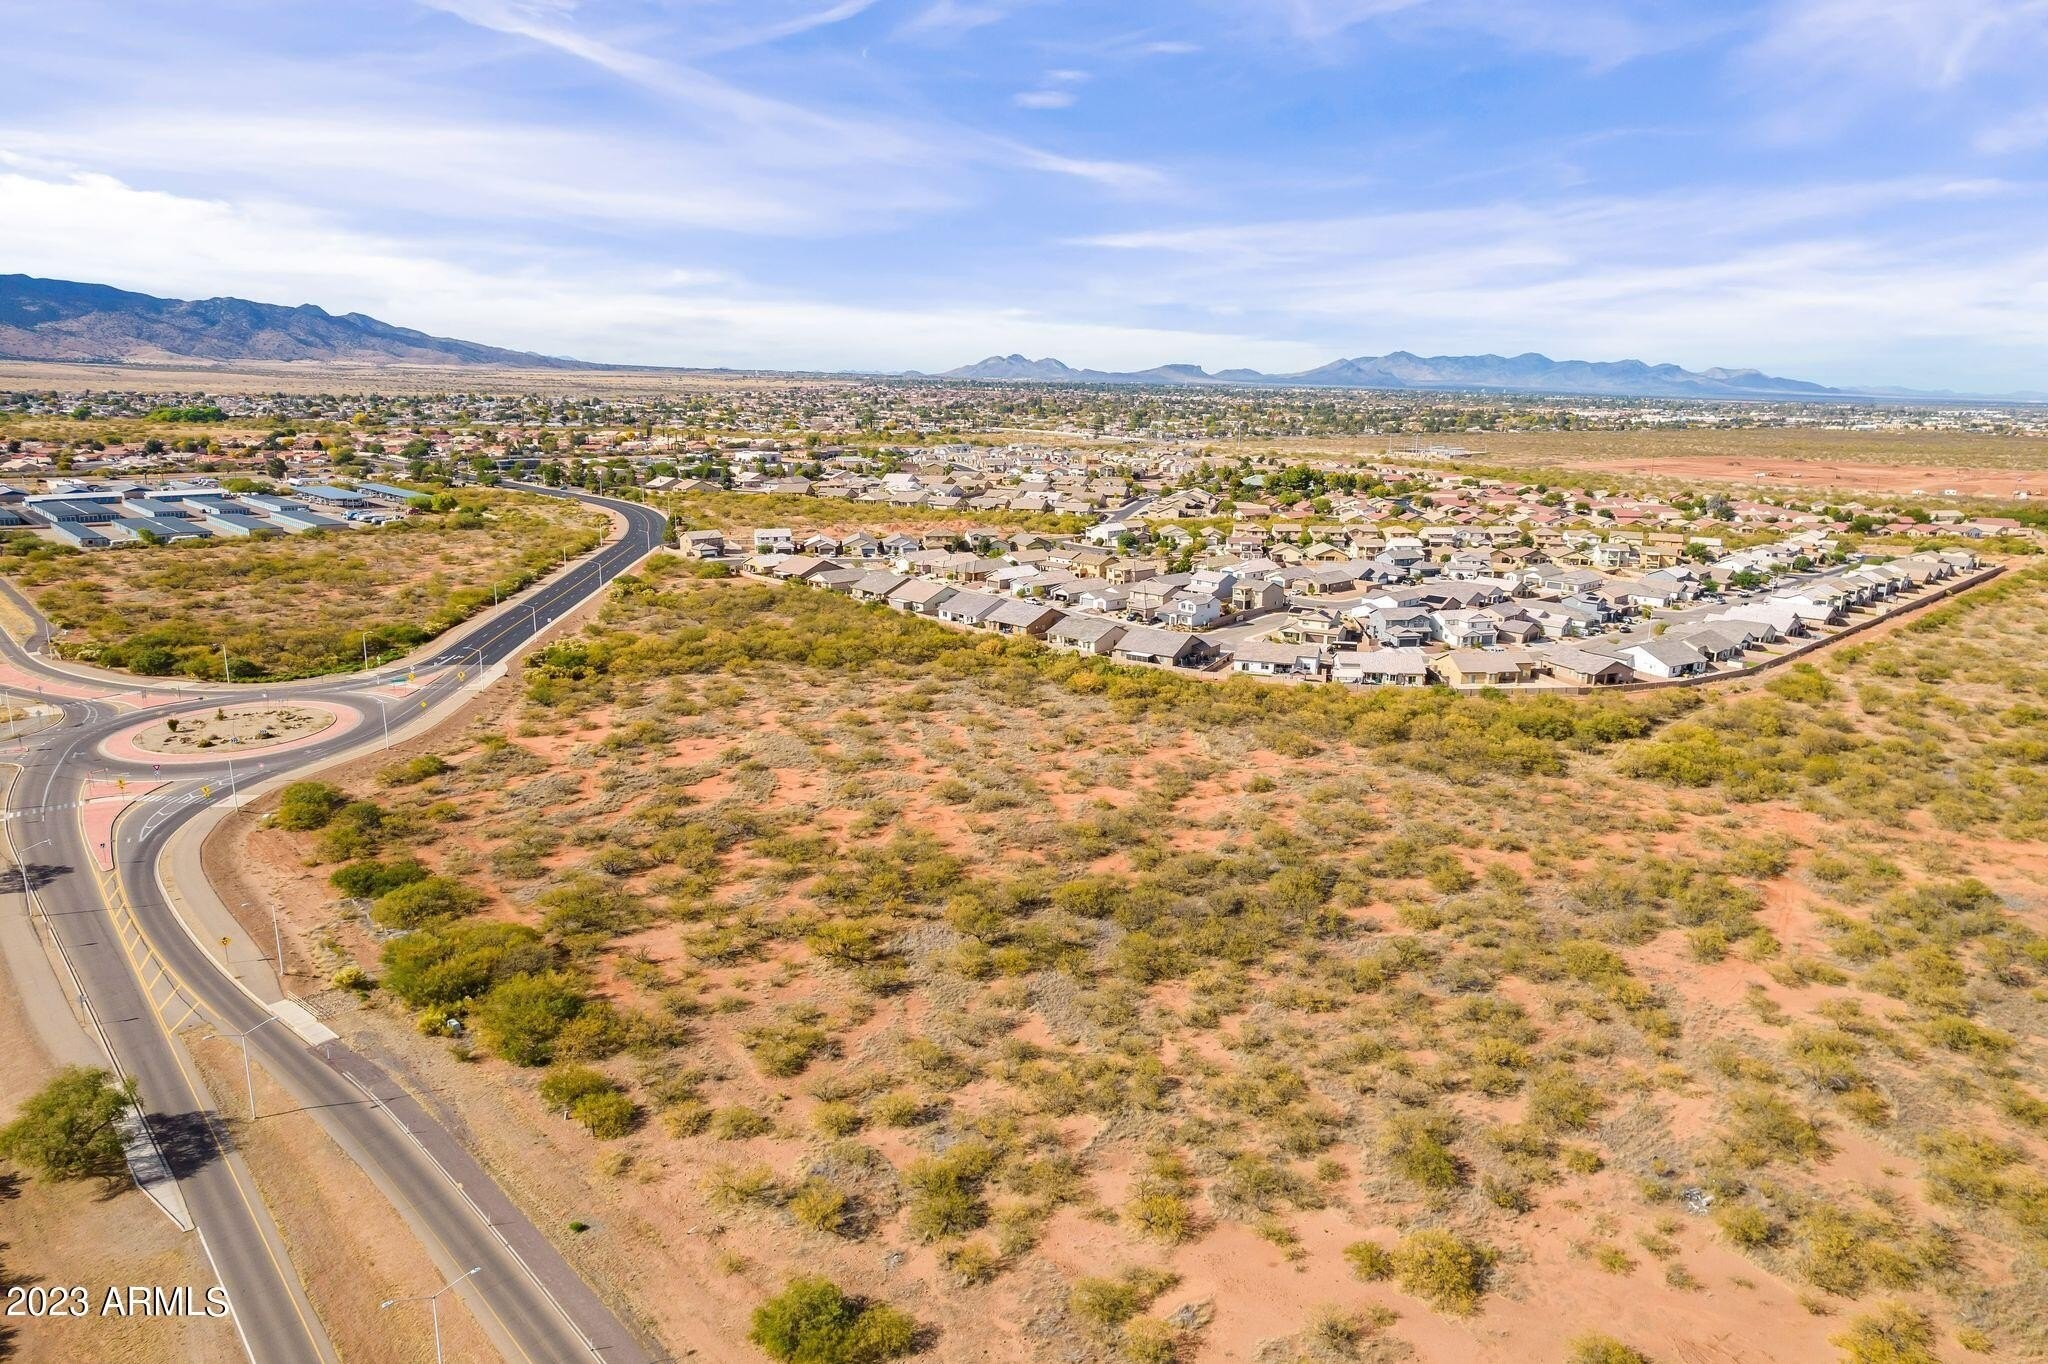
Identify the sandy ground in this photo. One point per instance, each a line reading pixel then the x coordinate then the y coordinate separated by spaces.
pixel 351 1248
pixel 62 1234
pixel 234 727
pixel 1763 471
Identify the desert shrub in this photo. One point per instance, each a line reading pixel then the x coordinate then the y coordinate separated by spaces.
pixel 1598 1349
pixel 606 1115
pixel 1445 1270
pixel 1369 1260
pixel 308 805
pixel 945 1199
pixel 812 1322
pixel 1764 1128
pixel 786 1049
pixel 1107 1302
pixel 413 770
pixel 521 1016
pixel 1560 1101
pixel 836 1118
pixel 1893 1334
pixel 424 901
pixel 562 1086
pixel 369 878
pixel 1417 1146
pixel 821 1205
pixel 1745 1224
pixel 737 1122
pixel 739 1186
pixel 447 964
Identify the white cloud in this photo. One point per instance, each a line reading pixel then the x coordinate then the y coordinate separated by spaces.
pixel 1928 45
pixel 2022 133
pixel 1044 99
pixel 83 226
pixel 1821 65
pixel 1602 33
pixel 1810 279
pixel 778 130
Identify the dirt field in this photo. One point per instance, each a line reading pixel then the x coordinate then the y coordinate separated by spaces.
pixel 303 604
pixel 1893 463
pixel 1226 986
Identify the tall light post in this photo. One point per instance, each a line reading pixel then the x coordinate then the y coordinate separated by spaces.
pixel 433 1302
pixel 227 668
pixel 248 1075
pixel 21 872
pixel 277 938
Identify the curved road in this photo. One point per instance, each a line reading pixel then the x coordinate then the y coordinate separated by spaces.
pixel 143 977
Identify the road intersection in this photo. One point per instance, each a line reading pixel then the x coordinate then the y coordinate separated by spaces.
pixel 138 975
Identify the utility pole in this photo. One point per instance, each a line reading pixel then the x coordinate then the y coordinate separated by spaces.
pixel 248 1075
pixel 433 1302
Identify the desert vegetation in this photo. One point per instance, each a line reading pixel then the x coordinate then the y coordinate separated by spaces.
pixel 300 605
pixel 1075 1007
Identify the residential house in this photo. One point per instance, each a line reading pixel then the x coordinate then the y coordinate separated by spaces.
pixel 1382 667
pixel 1143 644
pixel 702 544
pixel 920 596
pixel 1272 658
pixel 1485 667
pixel 1020 617
pixel 775 540
pixel 1665 658
pixel 1093 635
pixel 970 608
pixel 1581 667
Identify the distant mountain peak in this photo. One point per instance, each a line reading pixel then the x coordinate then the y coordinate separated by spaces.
pixel 54 319
pixel 1529 372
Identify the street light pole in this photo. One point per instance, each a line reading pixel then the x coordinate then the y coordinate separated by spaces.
pixel 248 1075
pixel 227 668
pixel 433 1302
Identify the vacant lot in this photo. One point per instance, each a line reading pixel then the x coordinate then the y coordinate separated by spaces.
pixel 1077 1009
pixel 1892 463
pixel 296 606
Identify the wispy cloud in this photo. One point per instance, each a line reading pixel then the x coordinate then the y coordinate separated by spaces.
pixel 1602 33
pixel 1822 64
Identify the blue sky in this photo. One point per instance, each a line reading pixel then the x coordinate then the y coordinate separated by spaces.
pixel 1843 190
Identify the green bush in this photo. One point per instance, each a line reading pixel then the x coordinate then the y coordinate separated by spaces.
pixel 369 878
pixel 308 805
pixel 449 964
pixel 812 1322
pixel 1446 1271
pixel 1893 1334
pixel 520 1018
pixel 1369 1260
pixel 1598 1349
pixel 562 1086
pixel 424 901
pixel 413 770
pixel 1105 1303
pixel 605 1115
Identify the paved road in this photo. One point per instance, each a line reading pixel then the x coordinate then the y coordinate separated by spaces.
pixel 143 977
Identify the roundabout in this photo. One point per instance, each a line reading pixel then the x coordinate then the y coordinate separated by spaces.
pixel 213 734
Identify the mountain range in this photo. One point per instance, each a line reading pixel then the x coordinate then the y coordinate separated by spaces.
pixel 54 319
pixel 1528 373
pixel 59 320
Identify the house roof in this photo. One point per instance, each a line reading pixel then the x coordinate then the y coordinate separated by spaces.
pixel 1080 629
